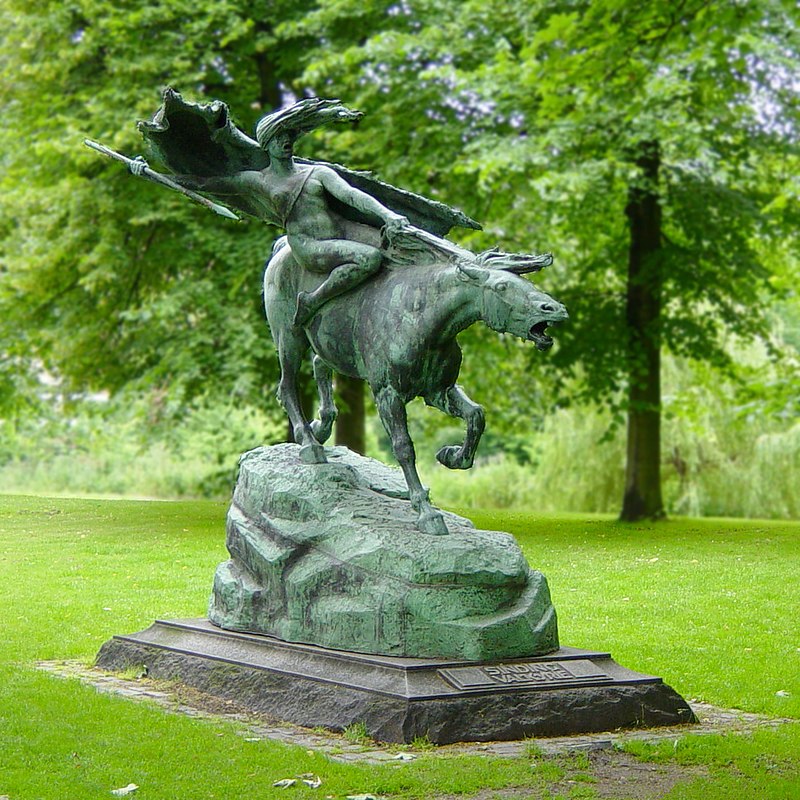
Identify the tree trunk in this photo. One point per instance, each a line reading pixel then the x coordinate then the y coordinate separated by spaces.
pixel 268 76
pixel 642 499
pixel 350 424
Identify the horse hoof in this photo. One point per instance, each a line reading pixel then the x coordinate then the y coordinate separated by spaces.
pixel 433 524
pixel 313 454
pixel 445 456
pixel 321 432
pixel 450 456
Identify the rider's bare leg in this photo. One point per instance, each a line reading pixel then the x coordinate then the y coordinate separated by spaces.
pixel 348 264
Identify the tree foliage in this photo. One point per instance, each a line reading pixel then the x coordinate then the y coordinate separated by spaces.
pixel 110 280
pixel 544 106
pixel 575 118
pixel 533 117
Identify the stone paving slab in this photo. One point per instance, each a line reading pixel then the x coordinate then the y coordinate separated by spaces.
pixel 182 700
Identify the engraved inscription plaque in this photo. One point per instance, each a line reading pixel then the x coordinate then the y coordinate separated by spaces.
pixel 536 674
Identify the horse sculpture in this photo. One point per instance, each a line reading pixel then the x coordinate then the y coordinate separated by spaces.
pixel 398 332
pixel 372 285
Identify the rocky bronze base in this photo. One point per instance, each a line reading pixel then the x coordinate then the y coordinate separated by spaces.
pixel 568 691
pixel 330 554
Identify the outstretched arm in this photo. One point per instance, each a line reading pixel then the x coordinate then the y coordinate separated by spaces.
pixel 220 185
pixel 359 200
pixel 139 167
pixel 241 190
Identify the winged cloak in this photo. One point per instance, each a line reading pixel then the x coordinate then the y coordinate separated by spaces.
pixel 202 141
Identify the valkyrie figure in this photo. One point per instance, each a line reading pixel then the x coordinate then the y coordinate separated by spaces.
pixel 363 276
pixel 338 223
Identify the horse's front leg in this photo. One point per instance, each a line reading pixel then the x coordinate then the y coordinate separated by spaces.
pixel 455 402
pixel 323 427
pixel 392 412
pixel 291 350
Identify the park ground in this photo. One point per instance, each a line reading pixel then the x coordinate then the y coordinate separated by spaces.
pixel 711 605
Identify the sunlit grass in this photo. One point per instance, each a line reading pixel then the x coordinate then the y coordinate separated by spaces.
pixel 711 605
pixel 684 599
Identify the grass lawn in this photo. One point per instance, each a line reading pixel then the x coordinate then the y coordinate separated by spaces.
pixel 713 606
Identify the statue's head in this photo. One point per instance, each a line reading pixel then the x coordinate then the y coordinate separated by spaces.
pixel 277 132
pixel 281 145
pixel 510 304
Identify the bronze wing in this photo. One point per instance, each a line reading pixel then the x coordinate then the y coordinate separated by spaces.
pixel 202 144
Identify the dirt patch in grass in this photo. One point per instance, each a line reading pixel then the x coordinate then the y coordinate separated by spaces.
pixel 601 774
pixel 617 774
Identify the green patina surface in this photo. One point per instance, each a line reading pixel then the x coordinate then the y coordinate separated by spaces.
pixel 364 274
pixel 330 554
pixel 325 549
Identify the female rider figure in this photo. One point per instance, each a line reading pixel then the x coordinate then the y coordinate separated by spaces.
pixel 302 199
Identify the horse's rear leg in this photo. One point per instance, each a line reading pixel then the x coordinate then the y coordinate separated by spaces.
pixel 290 355
pixel 392 412
pixel 323 427
pixel 455 402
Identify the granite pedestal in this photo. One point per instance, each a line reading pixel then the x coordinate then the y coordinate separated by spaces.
pixel 447 700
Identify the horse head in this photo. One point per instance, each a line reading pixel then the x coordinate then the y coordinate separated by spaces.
pixel 510 304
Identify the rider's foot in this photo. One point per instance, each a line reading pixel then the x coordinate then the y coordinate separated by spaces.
pixel 305 309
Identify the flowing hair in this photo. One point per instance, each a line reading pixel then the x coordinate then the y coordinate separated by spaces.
pixel 301 118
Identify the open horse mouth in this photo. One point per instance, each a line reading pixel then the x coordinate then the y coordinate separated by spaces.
pixel 539 337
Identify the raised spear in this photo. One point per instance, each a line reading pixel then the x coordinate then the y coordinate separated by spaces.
pixel 157 177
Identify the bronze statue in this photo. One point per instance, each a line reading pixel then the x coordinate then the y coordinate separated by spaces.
pixel 363 275
pixel 297 196
pixel 398 331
